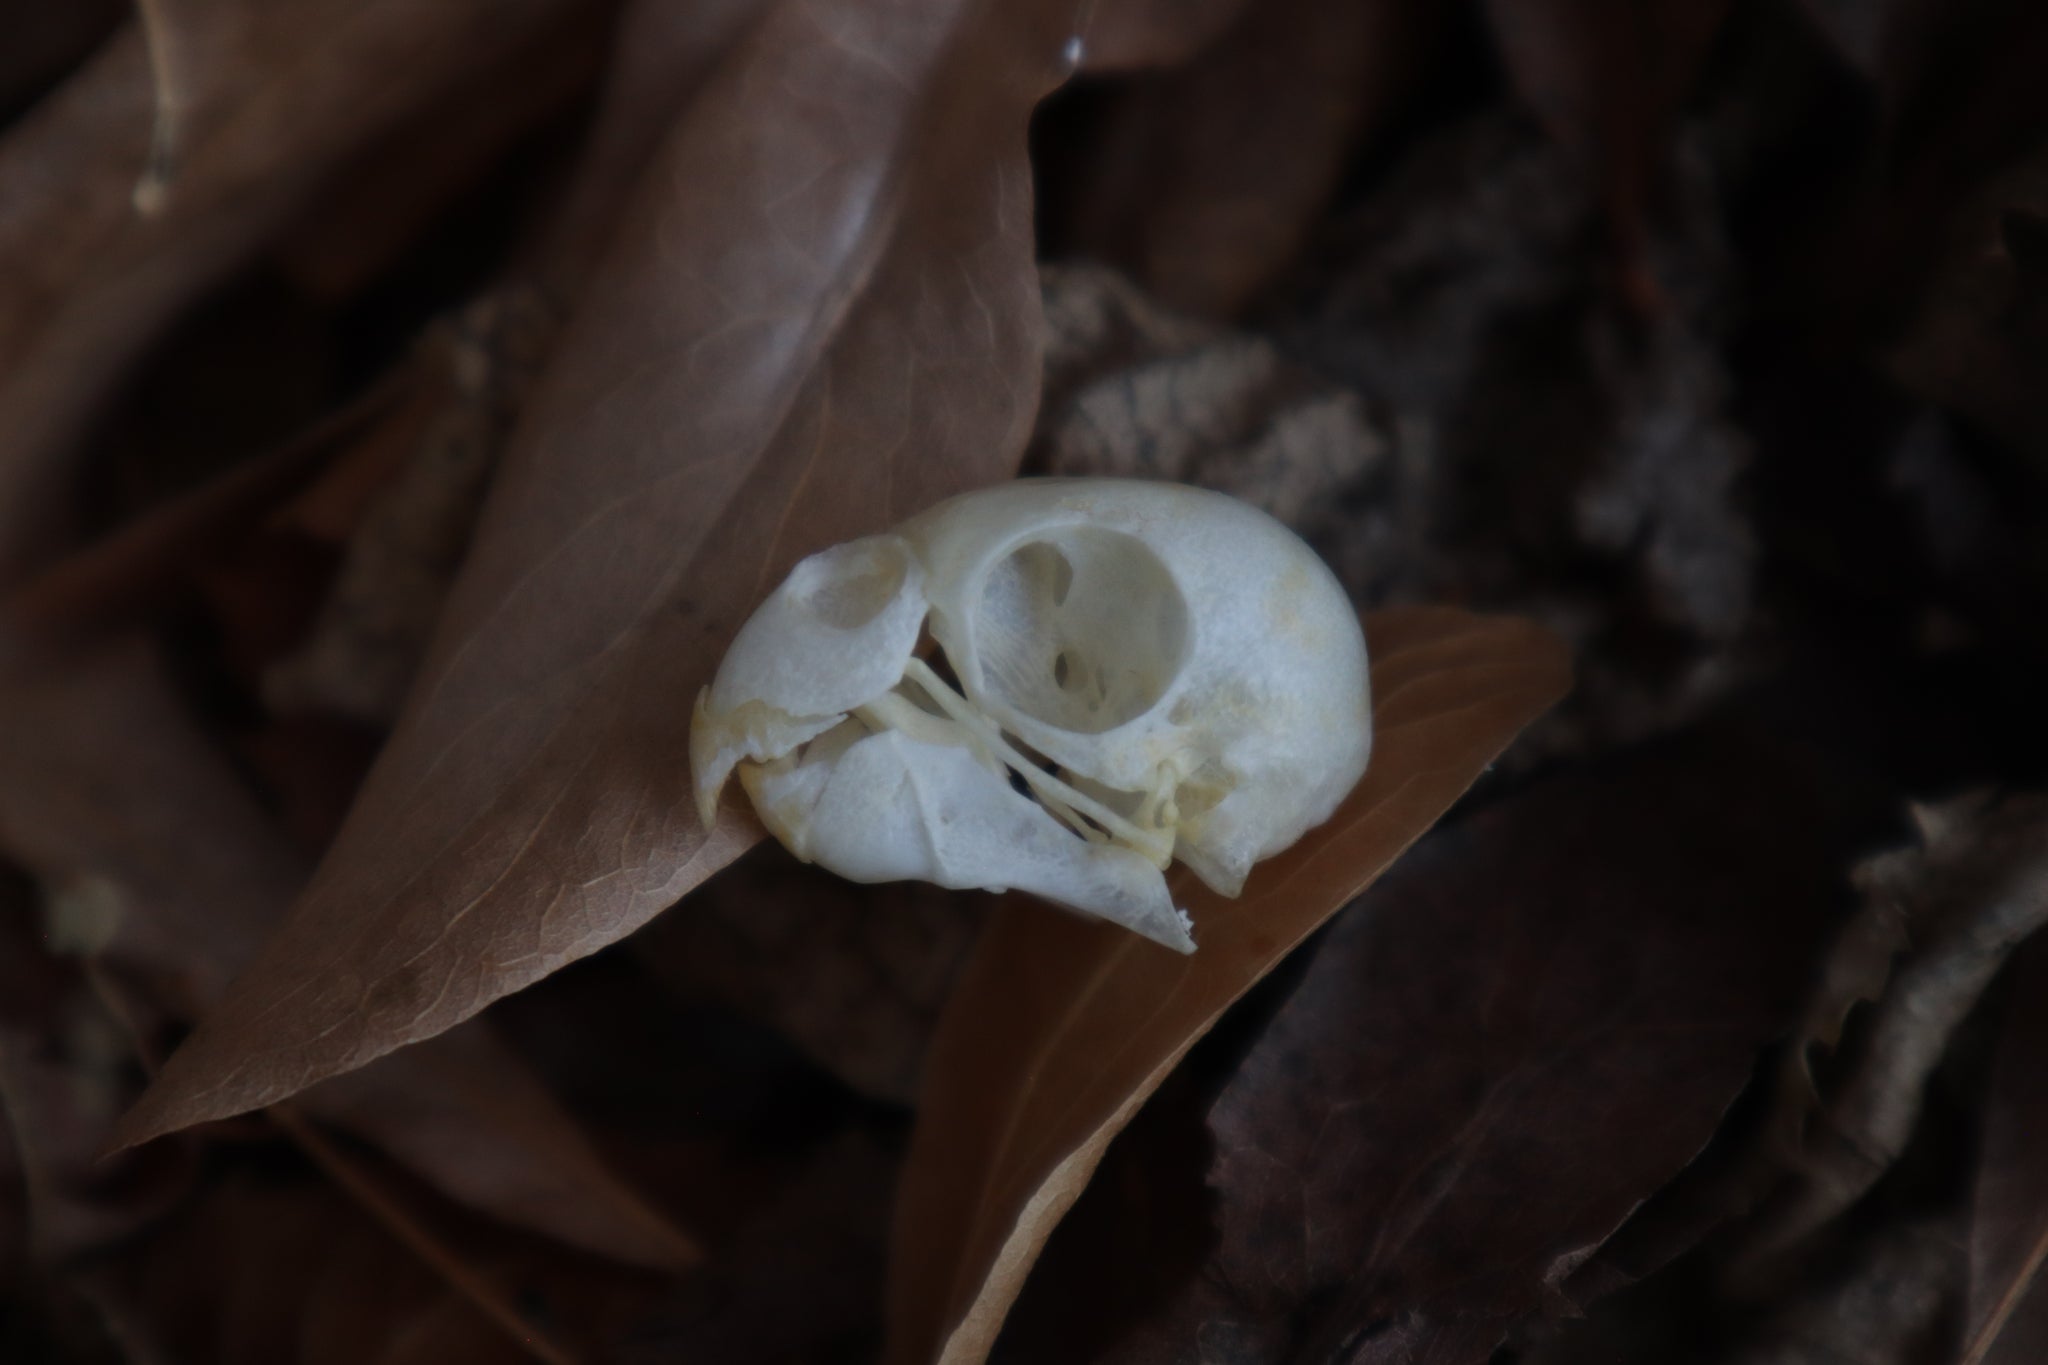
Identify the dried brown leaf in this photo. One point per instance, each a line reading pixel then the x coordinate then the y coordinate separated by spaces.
pixel 43 41
pixel 1972 891
pixel 153 857
pixel 1126 35
pixel 121 577
pixel 1060 1027
pixel 165 160
pixel 280 1270
pixel 159 866
pixel 61 1085
pixel 1517 1036
pixel 342 240
pixel 405 537
pixel 465 1113
pixel 403 551
pixel 1894 1303
pixel 660 57
pixel 1204 181
pixel 821 316
pixel 2007 1321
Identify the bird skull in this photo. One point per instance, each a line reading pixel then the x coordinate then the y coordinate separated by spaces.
pixel 1139 672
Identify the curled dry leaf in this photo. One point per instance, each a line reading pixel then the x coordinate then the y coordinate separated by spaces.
pixel 405 500
pixel 343 240
pixel 282 1271
pixel 44 41
pixel 1515 1038
pixel 661 54
pixel 1892 1302
pixel 1207 179
pixel 1059 1028
pixel 120 578
pixel 61 1084
pixel 1126 34
pixel 255 103
pixel 820 316
pixel 405 537
pixel 160 867
pixel 1974 889
pixel 464 1112
pixel 2007 1319
pixel 404 547
pixel 153 857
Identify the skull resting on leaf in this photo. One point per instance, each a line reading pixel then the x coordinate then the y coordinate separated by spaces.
pixel 1144 672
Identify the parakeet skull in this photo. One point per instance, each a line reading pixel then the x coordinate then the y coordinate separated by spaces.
pixel 1139 672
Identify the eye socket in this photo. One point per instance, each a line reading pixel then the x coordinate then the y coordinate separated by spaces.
pixel 849 585
pixel 1081 628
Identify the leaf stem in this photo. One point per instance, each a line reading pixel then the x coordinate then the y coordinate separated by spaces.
pixel 2009 1302
pixel 379 1204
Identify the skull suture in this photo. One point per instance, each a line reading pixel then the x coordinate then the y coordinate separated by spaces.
pixel 1146 672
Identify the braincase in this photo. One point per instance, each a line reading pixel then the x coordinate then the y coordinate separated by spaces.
pixel 1078 627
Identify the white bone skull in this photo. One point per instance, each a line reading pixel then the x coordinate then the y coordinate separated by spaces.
pixel 1146 672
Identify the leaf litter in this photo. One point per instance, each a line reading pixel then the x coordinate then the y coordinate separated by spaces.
pixel 1700 338
pixel 1582 1042
pixel 486 848
pixel 1060 1029
pixel 166 159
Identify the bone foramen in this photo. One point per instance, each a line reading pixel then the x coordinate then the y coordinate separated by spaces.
pixel 1145 672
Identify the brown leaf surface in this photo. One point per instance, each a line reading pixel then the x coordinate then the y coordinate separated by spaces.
pixel 2008 1297
pixel 158 865
pixel 405 535
pixel 1891 1303
pixel 152 855
pixel 1061 1027
pixel 117 207
pixel 464 1112
pixel 661 55
pixel 843 330
pixel 1205 180
pixel 270 1270
pixel 1518 1035
pixel 1972 891
pixel 405 542
pixel 1125 35
pixel 342 240
pixel 125 575
pixel 63 1080
pixel 43 41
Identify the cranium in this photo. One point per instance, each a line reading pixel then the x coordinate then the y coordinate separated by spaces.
pixel 1139 672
